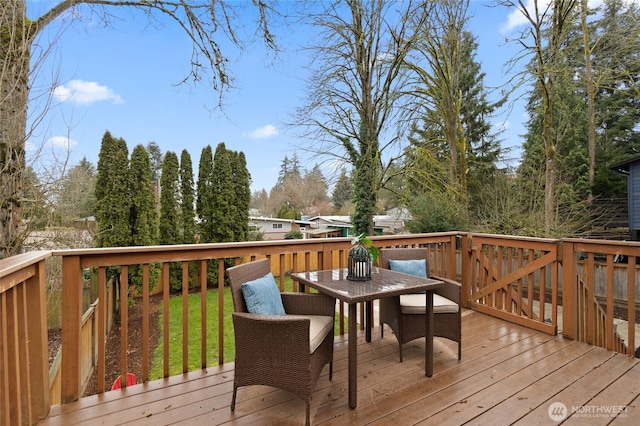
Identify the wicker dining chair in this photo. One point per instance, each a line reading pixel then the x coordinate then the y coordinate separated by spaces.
pixel 405 314
pixel 284 351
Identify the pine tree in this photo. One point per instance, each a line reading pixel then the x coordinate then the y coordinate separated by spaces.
pixel 342 191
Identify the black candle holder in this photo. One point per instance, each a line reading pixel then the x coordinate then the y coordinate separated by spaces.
pixel 359 263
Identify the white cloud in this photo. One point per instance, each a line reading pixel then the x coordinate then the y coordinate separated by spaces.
pixel 516 18
pixel 62 142
pixel 264 132
pixel 85 93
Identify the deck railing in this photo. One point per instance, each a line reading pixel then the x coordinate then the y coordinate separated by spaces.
pixel 515 278
pixel 601 277
pixel 24 374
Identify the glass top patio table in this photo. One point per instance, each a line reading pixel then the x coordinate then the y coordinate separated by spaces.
pixel 383 283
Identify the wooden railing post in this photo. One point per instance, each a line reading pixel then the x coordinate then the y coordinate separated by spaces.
pixel 465 273
pixel 36 296
pixel 71 328
pixel 569 291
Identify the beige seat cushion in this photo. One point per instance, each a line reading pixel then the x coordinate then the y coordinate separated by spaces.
pixel 318 329
pixel 414 304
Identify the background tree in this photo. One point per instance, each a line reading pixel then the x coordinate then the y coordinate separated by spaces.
pixel 241 181
pixel 155 159
pixel 613 87
pixel 113 201
pixel 187 205
pixel 222 188
pixel 205 195
pixel 143 216
pixel 170 225
pixel 260 201
pixel 437 62
pixel 37 209
pixel 202 21
pixel 314 194
pixel 617 98
pixel 170 214
pixel 77 199
pixel 543 39
pixel 288 190
pixel 357 89
pixel 452 156
pixel 342 191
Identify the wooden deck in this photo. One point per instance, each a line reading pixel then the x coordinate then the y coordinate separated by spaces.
pixel 508 374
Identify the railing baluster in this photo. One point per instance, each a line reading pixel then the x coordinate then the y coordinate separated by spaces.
pixel 202 277
pixel 145 323
pixel 221 311
pixel 102 327
pixel 124 323
pixel 165 316
pixel 631 305
pixel 185 317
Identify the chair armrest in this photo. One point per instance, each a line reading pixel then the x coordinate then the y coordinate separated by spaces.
pixel 452 290
pixel 308 304
pixel 270 339
pixel 271 326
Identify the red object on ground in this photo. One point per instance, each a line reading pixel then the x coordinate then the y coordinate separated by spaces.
pixel 131 380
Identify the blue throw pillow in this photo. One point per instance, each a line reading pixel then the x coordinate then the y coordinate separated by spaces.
pixel 262 296
pixel 416 267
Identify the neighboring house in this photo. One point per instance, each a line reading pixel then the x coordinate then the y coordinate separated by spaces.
pixel 339 226
pixel 393 221
pixel 275 228
pixel 326 226
pixel 329 227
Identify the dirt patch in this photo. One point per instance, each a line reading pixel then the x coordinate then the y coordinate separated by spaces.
pixel 134 343
pixel 112 345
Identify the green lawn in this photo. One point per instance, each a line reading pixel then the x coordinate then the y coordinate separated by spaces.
pixel 194 337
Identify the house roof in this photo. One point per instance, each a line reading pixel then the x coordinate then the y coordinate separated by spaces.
pixel 624 166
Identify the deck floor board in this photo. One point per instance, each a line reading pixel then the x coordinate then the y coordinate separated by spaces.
pixel 508 374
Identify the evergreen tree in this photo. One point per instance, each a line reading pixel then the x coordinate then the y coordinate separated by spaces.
pixel 205 195
pixel 342 191
pixel 188 198
pixel 224 207
pixel 155 161
pixel 142 216
pixel 314 188
pixel 483 147
pixel 77 196
pixel 170 225
pixel 617 100
pixel 170 215
pixel 242 188
pixel 113 200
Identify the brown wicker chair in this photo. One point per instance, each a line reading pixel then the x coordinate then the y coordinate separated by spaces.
pixel 275 350
pixel 408 326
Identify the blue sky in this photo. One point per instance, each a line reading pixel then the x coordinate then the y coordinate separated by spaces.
pixel 123 79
